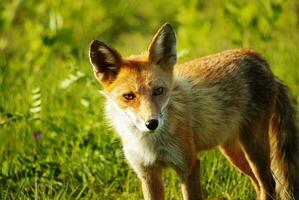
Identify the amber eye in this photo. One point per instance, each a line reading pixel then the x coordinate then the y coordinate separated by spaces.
pixel 129 96
pixel 158 91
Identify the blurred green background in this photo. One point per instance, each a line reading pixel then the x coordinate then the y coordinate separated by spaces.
pixel 54 142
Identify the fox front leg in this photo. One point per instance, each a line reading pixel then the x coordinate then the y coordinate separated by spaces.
pixel 191 183
pixel 152 184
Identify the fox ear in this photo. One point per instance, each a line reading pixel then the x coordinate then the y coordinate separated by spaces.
pixel 106 61
pixel 162 50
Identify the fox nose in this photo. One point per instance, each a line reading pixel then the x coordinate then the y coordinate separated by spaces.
pixel 152 124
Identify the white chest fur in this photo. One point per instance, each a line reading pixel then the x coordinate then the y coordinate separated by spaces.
pixel 144 149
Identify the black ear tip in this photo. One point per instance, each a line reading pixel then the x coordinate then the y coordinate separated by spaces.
pixel 94 45
pixel 167 26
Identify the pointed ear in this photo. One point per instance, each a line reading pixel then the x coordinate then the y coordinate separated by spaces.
pixel 106 61
pixel 162 50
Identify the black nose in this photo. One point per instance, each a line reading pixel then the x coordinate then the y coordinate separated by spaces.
pixel 152 124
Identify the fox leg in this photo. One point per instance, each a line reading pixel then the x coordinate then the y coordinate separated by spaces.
pixel 255 144
pixel 191 183
pixel 232 150
pixel 152 184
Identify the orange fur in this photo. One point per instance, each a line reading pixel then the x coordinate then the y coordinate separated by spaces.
pixel 165 113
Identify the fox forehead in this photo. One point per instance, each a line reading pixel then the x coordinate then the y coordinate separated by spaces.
pixel 138 76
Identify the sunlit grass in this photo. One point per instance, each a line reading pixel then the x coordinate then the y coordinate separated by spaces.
pixel 54 141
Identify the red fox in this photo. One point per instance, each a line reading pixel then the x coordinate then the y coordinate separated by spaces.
pixel 166 113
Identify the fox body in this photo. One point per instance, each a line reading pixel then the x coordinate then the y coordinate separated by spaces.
pixel 165 113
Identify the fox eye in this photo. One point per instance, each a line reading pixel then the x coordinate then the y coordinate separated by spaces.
pixel 129 96
pixel 158 91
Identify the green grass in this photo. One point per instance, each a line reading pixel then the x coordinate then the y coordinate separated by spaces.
pixel 54 142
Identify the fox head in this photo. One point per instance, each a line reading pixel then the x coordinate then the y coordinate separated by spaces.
pixel 140 87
